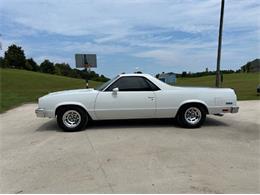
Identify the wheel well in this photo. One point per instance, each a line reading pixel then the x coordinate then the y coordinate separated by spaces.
pixel 193 104
pixel 70 106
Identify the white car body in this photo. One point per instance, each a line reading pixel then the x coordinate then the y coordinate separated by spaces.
pixel 162 103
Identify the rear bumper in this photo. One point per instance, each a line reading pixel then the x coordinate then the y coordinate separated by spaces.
pixel 223 109
pixel 234 109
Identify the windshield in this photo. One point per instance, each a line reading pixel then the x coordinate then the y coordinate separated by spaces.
pixel 103 86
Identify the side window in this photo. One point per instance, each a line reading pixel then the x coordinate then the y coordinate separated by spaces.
pixel 153 86
pixel 131 83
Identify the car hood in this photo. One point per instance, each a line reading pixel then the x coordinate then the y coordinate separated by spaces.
pixel 71 91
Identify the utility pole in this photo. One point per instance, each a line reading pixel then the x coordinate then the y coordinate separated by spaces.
pixel 220 43
pixel 0 43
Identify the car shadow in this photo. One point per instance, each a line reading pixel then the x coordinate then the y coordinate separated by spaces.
pixel 214 122
pixel 128 124
pixel 51 125
pixel 133 123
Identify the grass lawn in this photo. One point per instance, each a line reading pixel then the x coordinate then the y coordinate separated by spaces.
pixel 20 86
pixel 244 83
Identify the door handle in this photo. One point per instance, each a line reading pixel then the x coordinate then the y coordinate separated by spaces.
pixel 151 98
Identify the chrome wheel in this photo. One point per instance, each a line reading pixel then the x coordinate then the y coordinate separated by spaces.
pixel 71 118
pixel 192 115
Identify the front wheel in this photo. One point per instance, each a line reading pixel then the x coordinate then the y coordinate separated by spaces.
pixel 72 118
pixel 191 116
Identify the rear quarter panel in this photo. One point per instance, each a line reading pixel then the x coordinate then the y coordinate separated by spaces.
pixel 169 101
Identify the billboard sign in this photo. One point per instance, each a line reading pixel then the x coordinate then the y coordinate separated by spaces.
pixel 86 60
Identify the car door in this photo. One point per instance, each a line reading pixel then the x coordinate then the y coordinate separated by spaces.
pixel 134 99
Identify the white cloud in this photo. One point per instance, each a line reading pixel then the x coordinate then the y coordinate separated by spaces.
pixel 88 47
pixel 80 17
pixel 139 28
pixel 52 58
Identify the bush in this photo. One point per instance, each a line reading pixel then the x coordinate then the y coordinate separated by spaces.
pixel 47 67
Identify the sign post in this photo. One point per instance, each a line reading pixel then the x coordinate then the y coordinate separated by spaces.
pixel 87 68
pixel 86 61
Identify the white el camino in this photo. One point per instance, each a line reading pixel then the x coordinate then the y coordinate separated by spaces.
pixel 136 96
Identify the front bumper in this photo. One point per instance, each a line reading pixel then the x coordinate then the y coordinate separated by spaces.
pixel 234 109
pixel 40 112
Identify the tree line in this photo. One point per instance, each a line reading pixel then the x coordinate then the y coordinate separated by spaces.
pixel 199 74
pixel 14 57
pixel 205 73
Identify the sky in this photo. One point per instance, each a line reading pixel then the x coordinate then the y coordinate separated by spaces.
pixel 151 36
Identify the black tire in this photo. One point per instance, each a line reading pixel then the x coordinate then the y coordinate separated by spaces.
pixel 76 110
pixel 186 122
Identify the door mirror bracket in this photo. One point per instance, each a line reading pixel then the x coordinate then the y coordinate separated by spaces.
pixel 115 90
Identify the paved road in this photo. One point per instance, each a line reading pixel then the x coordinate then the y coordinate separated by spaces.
pixel 131 157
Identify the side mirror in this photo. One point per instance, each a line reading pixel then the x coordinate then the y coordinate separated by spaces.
pixel 115 90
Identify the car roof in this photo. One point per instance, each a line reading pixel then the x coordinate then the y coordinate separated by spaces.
pixel 134 74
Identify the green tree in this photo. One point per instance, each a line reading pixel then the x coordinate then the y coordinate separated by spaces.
pixel 248 66
pixel 14 57
pixel 63 69
pixel 47 67
pixel 2 62
pixel 27 66
pixel 31 65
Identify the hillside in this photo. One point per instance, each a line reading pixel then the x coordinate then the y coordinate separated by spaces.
pixel 20 86
pixel 244 83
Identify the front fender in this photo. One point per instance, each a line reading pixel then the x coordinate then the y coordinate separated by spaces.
pixel 88 110
pixel 70 103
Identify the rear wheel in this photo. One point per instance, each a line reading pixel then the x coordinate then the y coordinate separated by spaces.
pixel 72 118
pixel 191 116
